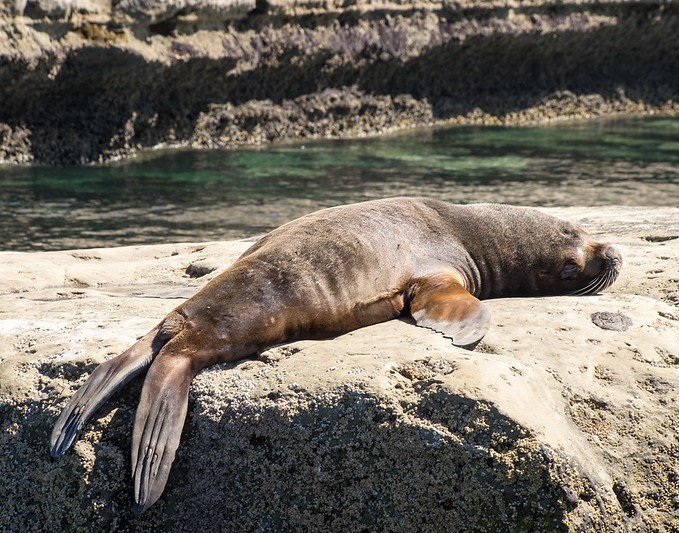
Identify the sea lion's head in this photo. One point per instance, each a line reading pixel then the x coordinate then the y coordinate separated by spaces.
pixel 578 265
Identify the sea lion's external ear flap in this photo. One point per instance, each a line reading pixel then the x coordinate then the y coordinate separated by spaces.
pixel 441 303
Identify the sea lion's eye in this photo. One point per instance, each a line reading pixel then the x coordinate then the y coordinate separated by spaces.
pixel 570 271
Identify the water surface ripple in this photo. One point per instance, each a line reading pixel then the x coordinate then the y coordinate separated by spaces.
pixel 194 196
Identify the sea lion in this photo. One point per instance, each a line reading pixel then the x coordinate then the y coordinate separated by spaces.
pixel 328 273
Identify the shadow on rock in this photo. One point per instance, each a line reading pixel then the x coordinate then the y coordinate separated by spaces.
pixel 348 462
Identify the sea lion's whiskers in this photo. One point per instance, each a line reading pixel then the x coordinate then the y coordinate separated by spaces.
pixel 592 288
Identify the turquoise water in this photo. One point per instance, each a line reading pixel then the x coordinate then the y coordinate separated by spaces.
pixel 193 196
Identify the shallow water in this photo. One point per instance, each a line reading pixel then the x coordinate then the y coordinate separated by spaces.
pixel 213 195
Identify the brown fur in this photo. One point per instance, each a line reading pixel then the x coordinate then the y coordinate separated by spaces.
pixel 331 272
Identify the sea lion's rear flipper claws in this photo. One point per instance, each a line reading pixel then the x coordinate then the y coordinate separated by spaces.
pixel 106 379
pixel 158 427
pixel 440 302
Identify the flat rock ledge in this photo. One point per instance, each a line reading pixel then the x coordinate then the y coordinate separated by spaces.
pixel 563 419
pixel 85 81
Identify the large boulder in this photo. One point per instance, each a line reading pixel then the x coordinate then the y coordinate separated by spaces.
pixel 563 419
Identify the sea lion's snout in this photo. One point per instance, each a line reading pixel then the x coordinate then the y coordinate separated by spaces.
pixel 613 255
pixel 602 270
pixel 612 261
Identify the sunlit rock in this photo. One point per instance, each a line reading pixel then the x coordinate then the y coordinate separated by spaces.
pixel 553 423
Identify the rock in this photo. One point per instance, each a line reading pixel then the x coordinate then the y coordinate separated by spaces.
pixel 612 321
pixel 58 9
pixel 551 424
pixel 155 11
pixel 139 11
pixel 86 81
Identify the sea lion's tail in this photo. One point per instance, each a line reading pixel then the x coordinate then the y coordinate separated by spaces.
pixel 158 426
pixel 107 378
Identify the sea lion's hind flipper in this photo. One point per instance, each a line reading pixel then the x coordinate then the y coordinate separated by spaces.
pixel 440 302
pixel 106 379
pixel 158 426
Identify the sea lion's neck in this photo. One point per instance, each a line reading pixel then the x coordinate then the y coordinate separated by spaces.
pixel 500 268
pixel 499 278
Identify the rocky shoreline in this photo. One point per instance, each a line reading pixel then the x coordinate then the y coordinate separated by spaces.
pixel 563 419
pixel 88 81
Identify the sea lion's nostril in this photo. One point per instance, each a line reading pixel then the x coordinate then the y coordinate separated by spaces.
pixel 612 254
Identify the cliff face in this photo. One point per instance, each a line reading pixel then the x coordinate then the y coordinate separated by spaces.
pixel 563 419
pixel 89 80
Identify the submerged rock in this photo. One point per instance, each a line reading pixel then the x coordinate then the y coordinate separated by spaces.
pixel 551 424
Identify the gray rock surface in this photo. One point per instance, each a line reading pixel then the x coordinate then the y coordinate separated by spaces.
pixel 551 424
pixel 90 80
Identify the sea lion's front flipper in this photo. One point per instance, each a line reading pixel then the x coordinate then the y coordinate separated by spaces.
pixel 158 426
pixel 106 379
pixel 440 302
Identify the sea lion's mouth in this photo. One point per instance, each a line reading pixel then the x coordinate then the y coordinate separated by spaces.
pixel 612 263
